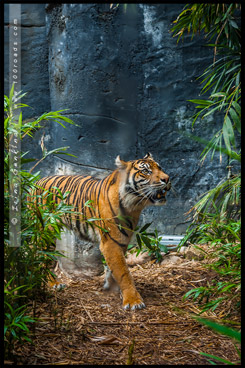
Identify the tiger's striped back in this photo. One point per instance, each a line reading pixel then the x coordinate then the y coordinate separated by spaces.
pixel 81 190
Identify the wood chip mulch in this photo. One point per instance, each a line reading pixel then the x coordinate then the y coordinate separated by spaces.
pixel 84 325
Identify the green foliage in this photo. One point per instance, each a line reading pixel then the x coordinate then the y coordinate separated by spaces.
pixel 130 360
pixel 216 218
pixel 27 267
pixel 11 104
pixel 149 242
pixel 226 331
pixel 15 321
pixel 231 124
pixel 217 21
pixel 222 79
pixel 220 328
pixel 224 200
pixel 224 238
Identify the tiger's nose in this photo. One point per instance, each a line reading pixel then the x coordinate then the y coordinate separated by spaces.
pixel 165 179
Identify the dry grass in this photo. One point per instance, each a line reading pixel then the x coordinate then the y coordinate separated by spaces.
pixel 82 324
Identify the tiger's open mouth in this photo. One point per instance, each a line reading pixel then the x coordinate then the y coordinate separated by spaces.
pixel 159 196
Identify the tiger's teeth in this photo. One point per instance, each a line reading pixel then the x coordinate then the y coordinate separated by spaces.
pixel 161 194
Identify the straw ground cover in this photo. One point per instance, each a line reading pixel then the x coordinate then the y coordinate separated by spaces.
pixel 82 324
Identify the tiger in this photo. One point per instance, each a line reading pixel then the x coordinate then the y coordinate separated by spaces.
pixel 117 201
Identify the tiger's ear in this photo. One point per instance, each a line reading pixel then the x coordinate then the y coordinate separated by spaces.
pixel 120 163
pixel 149 155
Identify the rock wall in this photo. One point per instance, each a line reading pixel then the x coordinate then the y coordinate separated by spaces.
pixel 126 83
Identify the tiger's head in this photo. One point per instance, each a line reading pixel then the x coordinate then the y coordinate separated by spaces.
pixel 143 182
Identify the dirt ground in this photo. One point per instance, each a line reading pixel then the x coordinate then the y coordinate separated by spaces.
pixel 82 324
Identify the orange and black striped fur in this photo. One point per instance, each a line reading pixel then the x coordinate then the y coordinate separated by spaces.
pixel 124 193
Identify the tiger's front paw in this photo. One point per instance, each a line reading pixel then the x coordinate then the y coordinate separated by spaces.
pixel 133 302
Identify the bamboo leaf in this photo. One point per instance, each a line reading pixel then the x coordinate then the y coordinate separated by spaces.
pixel 229 130
pixel 146 241
pixel 226 138
pixel 145 227
pixel 216 358
pixel 139 241
pixel 211 111
pixel 233 24
pixel 11 93
pixel 236 119
pixel 202 102
pixel 227 331
pixel 237 107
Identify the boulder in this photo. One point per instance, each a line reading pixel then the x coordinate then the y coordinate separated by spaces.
pixel 82 257
pixel 171 259
pixel 133 260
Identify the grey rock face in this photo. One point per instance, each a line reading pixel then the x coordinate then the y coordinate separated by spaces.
pixel 34 58
pixel 82 258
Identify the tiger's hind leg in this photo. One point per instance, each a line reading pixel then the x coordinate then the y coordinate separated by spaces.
pixel 116 262
pixel 110 283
